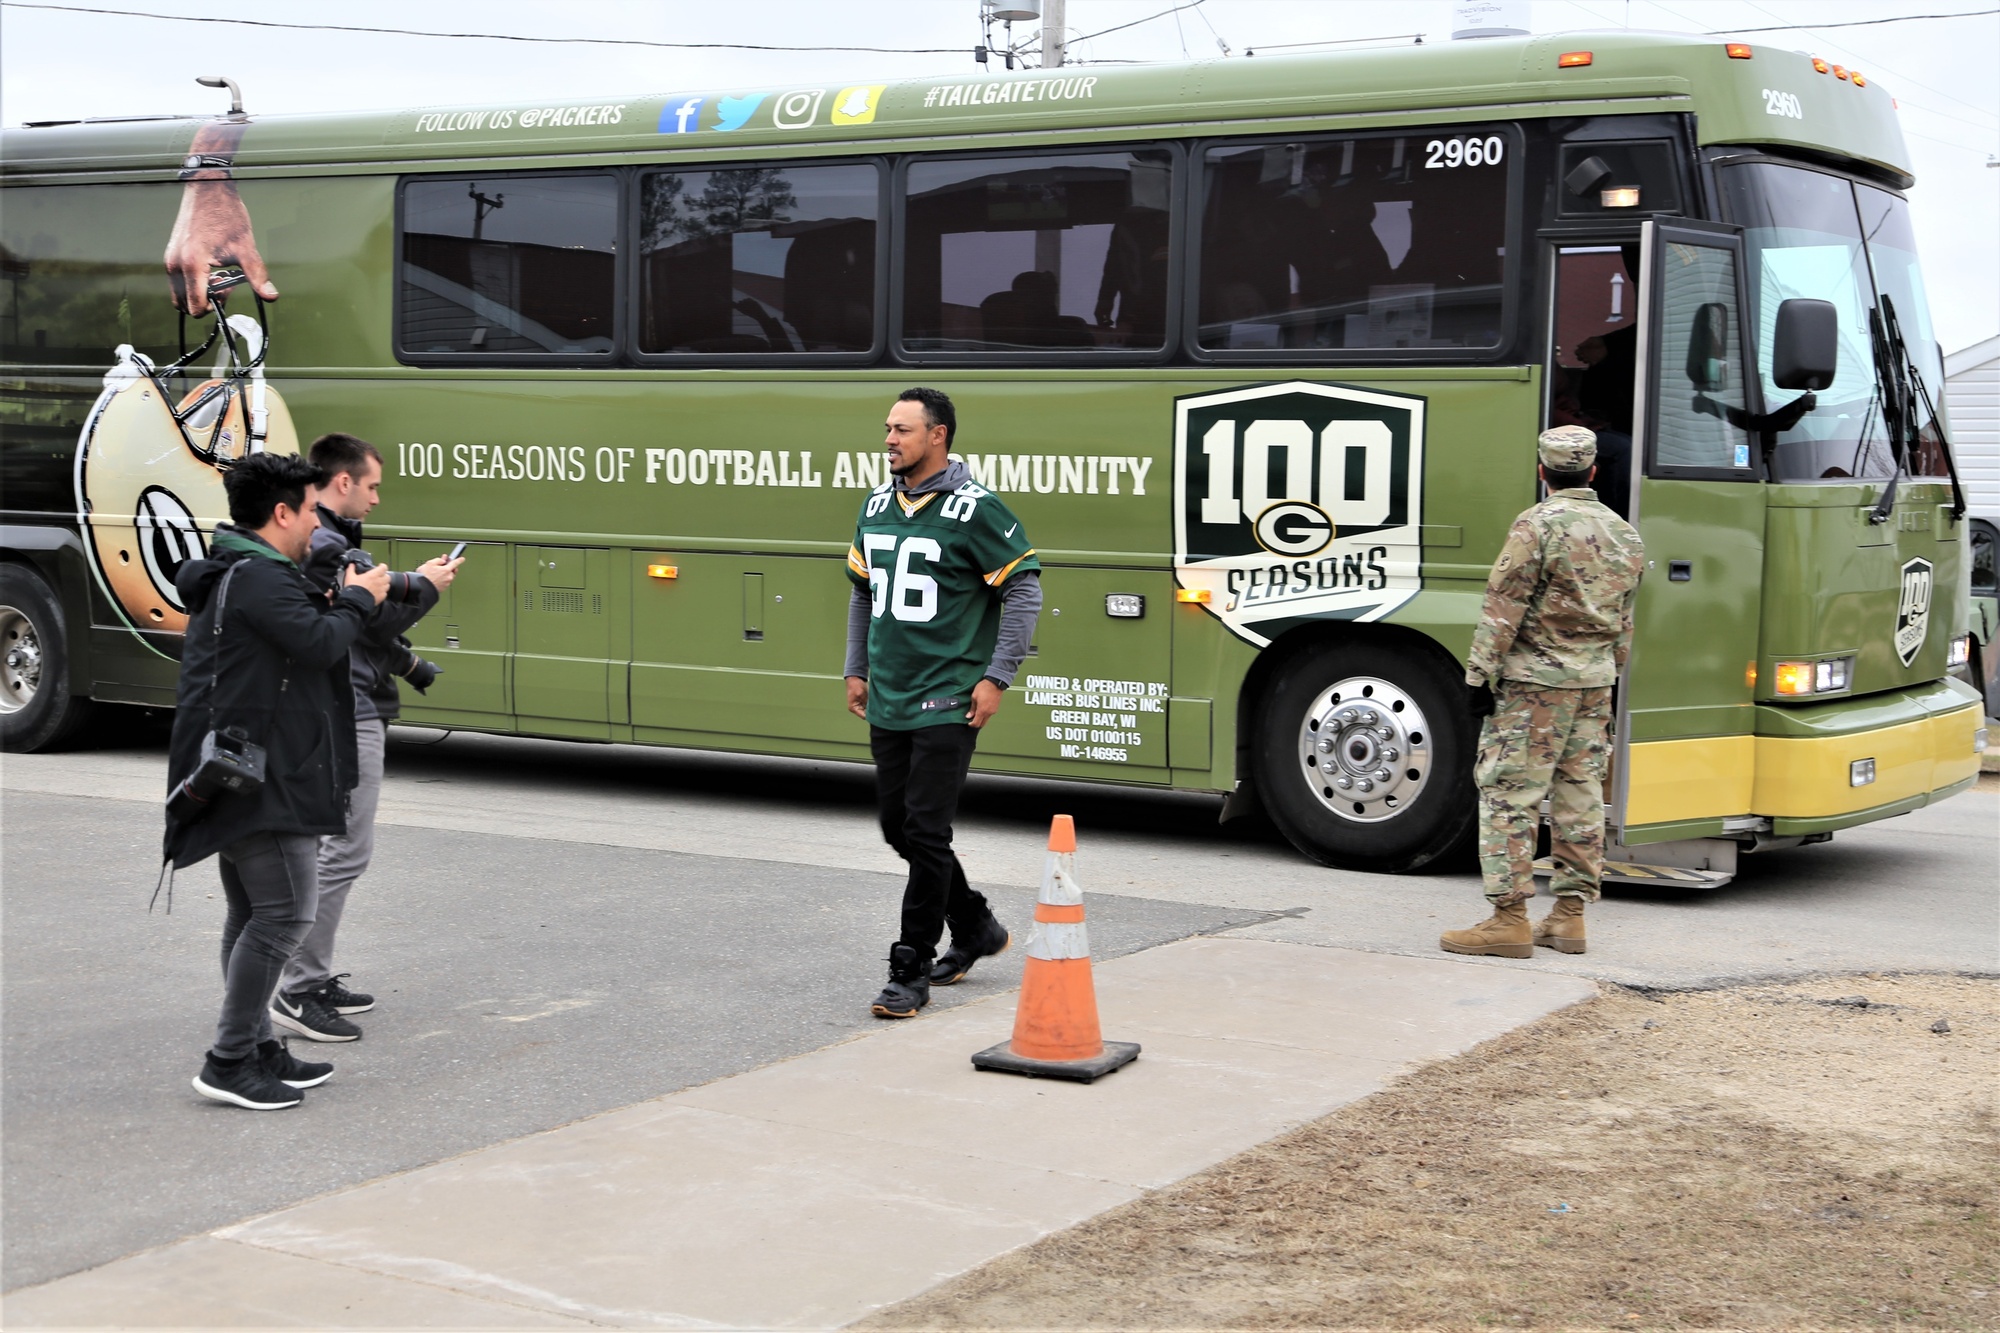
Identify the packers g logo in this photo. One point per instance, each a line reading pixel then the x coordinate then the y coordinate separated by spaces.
pixel 149 468
pixel 1298 501
pixel 1293 527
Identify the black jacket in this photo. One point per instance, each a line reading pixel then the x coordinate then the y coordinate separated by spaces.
pixel 269 656
pixel 381 654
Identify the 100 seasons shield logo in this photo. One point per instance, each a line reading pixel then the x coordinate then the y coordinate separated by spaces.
pixel 1296 502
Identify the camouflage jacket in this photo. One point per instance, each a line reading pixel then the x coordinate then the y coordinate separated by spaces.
pixel 1558 607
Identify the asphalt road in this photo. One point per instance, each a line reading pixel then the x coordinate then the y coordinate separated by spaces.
pixel 555 930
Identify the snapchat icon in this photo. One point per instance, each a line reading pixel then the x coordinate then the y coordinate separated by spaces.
pixel 856 106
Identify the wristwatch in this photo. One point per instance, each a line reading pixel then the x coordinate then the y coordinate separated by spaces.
pixel 197 162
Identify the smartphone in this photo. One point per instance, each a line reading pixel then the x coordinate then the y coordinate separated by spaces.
pixel 457 551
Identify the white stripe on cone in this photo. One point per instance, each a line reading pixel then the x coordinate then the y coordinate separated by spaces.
pixel 1056 941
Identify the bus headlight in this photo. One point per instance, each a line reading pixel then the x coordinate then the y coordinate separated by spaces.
pixel 1959 652
pixel 1828 676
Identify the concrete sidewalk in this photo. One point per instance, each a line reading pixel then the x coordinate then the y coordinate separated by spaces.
pixel 810 1193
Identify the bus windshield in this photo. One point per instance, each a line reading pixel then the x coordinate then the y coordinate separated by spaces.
pixel 1811 234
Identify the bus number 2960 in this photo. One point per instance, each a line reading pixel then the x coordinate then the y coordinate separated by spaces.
pixel 1782 104
pixel 1471 152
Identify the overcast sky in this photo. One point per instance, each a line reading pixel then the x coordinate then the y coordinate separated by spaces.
pixel 1945 74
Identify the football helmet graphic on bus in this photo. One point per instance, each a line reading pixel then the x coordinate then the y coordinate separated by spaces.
pixel 150 461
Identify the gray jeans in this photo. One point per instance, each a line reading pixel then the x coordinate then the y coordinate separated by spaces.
pixel 342 859
pixel 270 881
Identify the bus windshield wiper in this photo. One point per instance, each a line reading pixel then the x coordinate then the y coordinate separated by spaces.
pixel 1903 391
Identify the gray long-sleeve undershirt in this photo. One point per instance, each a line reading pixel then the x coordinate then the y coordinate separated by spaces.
pixel 1020 605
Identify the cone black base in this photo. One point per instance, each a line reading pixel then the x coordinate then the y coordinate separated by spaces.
pixel 1001 1059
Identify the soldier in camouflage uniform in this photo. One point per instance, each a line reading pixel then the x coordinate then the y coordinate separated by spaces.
pixel 1553 636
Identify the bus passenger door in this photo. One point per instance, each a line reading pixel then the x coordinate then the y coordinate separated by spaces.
pixel 1686 709
pixel 562 641
pixel 466 634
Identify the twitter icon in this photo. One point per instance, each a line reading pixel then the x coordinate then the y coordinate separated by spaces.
pixel 731 112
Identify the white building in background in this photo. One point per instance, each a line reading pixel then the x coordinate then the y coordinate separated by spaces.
pixel 1972 404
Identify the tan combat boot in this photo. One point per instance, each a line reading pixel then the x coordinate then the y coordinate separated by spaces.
pixel 1506 934
pixel 1562 928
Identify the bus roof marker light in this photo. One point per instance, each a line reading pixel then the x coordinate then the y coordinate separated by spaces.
pixel 1820 66
pixel 1840 72
pixel 1859 82
pixel 1619 196
pixel 1572 59
pixel 1738 50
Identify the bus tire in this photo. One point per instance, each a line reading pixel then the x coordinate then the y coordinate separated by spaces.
pixel 1363 755
pixel 38 711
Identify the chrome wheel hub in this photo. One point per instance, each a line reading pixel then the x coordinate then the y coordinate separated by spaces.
pixel 1367 749
pixel 20 660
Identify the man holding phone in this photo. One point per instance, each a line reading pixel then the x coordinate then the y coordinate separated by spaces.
pixel 311 999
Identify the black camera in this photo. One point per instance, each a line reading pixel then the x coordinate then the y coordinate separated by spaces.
pixel 230 761
pixel 400 589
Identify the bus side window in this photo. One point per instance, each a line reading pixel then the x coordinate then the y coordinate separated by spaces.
pixel 509 266
pixel 1380 241
pixel 1031 253
pixel 758 259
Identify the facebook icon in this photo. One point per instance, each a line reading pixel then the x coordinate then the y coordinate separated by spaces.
pixel 681 117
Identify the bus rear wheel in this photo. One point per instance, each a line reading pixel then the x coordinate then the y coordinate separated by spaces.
pixel 1364 756
pixel 37 709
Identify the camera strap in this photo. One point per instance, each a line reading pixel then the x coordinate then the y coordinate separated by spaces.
pixel 166 878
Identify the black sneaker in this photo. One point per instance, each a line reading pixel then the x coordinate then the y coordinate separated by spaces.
pixel 305 1013
pixel 990 939
pixel 342 1000
pixel 282 1065
pixel 909 987
pixel 246 1083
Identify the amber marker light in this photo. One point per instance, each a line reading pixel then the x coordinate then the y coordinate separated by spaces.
pixel 1840 72
pixel 1859 82
pixel 1200 595
pixel 1738 50
pixel 663 571
pixel 1750 676
pixel 1820 66
pixel 1572 59
pixel 1795 678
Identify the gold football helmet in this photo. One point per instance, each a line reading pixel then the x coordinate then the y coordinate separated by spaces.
pixel 150 461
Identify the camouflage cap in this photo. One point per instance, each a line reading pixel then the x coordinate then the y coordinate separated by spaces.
pixel 1567 448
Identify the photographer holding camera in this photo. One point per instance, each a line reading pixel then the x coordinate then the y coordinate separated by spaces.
pixel 311 1000
pixel 262 757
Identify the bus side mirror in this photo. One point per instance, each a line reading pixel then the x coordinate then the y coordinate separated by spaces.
pixel 1708 347
pixel 1806 351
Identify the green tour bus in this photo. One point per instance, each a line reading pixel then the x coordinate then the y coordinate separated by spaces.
pixel 1256 349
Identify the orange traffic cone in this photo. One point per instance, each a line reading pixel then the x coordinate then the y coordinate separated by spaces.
pixel 1055 1028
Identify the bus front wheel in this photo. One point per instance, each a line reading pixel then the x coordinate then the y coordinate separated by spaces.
pixel 1364 756
pixel 37 709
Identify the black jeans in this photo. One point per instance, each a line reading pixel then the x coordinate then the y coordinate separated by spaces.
pixel 918 775
pixel 272 883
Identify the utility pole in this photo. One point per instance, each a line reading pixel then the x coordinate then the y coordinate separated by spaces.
pixel 1053 27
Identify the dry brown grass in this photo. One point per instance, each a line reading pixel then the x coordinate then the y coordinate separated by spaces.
pixel 1747 1158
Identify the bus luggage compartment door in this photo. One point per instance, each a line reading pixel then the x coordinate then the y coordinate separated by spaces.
pixel 730 645
pixel 562 641
pixel 466 634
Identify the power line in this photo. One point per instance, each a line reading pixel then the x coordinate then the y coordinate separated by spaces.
pixel 1853 23
pixel 489 36
pixel 1192 4
pixel 1909 80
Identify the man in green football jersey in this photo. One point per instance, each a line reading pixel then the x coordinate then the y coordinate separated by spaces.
pixel 946 592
